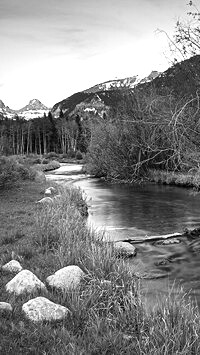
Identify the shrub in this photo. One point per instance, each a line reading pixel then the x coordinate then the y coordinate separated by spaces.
pixel 52 165
pixel 71 153
pixel 37 161
pixel 79 155
pixel 45 161
pixel 64 155
pixel 52 155
pixel 11 172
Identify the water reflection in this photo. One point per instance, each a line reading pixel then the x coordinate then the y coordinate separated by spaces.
pixel 154 209
pixel 128 211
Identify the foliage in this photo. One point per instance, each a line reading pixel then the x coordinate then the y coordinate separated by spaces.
pixel 186 39
pixel 51 155
pixel 151 130
pixel 43 135
pixel 79 155
pixel 11 172
pixel 47 165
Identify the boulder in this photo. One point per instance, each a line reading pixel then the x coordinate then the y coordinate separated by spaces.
pixel 40 309
pixel 12 266
pixel 5 308
pixel 50 191
pixel 45 201
pixel 67 278
pixel 124 249
pixel 24 282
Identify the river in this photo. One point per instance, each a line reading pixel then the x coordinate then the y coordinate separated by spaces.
pixel 126 211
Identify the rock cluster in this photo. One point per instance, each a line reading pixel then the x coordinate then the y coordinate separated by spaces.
pixel 40 308
pixel 68 278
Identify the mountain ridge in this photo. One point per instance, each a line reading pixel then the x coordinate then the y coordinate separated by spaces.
pixel 35 108
pixel 108 93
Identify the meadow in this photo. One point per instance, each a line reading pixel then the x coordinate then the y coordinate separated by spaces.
pixel 108 313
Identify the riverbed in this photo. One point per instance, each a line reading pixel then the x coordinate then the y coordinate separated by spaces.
pixel 125 212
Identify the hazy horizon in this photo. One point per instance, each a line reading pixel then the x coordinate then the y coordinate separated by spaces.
pixel 54 48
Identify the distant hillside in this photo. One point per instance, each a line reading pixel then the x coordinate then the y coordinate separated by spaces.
pixel 87 102
pixel 182 79
pixel 99 98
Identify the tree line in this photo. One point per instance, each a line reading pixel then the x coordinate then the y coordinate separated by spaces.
pixel 41 135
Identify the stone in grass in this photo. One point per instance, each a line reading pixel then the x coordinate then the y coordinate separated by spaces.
pixel 50 191
pixel 24 282
pixel 124 249
pixel 67 278
pixel 40 309
pixel 12 266
pixel 5 308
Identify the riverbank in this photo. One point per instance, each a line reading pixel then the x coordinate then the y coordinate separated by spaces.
pixel 182 179
pixel 107 313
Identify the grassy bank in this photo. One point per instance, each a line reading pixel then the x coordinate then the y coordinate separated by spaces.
pixel 183 179
pixel 105 317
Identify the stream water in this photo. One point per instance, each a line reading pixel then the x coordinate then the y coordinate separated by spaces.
pixel 138 210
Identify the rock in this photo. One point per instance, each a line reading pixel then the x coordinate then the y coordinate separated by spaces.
pixel 5 308
pixel 24 281
pixel 12 266
pixel 50 191
pixel 45 201
pixel 124 249
pixel 67 278
pixel 41 309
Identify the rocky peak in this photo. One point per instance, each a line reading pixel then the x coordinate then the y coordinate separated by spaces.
pixel 34 104
pixel 2 105
pixel 34 109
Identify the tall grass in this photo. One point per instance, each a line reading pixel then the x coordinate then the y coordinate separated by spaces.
pixel 107 311
pixel 186 179
pixel 107 314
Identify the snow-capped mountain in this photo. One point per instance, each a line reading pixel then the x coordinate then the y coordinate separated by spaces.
pixel 6 111
pixel 129 83
pixel 34 109
pixel 99 98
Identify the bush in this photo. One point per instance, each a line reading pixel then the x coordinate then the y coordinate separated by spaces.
pixel 79 155
pixel 12 172
pixel 71 154
pixel 52 155
pixel 52 165
pixel 45 161
pixel 37 161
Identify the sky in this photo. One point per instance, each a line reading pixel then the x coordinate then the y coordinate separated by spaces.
pixel 50 49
